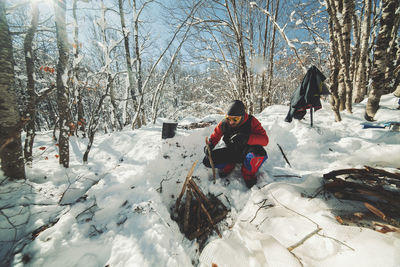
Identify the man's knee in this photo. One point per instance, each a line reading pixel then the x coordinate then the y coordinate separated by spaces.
pixel 257 150
pixel 206 162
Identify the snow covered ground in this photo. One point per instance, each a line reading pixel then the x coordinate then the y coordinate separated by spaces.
pixel 115 211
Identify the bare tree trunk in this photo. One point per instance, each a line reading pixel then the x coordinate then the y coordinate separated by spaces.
pixel 75 73
pixel 62 90
pixel 114 104
pixel 264 59
pixel 30 112
pixel 12 162
pixel 396 72
pixel 392 54
pixel 348 10
pixel 361 77
pixel 244 83
pixel 335 65
pixel 139 73
pixel 355 50
pixel 93 125
pixel 271 59
pixel 125 32
pixel 342 37
pixel 379 83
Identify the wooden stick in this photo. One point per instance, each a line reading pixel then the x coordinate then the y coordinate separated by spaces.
pixel 383 172
pixel 210 158
pixel 207 214
pixel 301 242
pixel 284 156
pixel 187 209
pixel 202 229
pixel 375 211
pixel 389 226
pixel 198 214
pixel 188 177
pixel 201 194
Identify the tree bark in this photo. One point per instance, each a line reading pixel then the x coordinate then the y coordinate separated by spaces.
pixel 348 10
pixel 361 77
pixel 335 65
pixel 30 111
pixel 379 83
pixel 271 58
pixel 61 81
pixel 139 73
pixel 93 125
pixel 125 33
pixel 262 87
pixel 75 73
pixel 392 79
pixel 341 35
pixel 12 162
pixel 243 72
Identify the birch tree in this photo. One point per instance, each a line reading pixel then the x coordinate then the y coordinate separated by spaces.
pixel 76 80
pixel 271 59
pixel 361 70
pixel 341 13
pixel 128 59
pixel 61 81
pixel 379 82
pixel 12 163
pixel 139 116
pixel 334 64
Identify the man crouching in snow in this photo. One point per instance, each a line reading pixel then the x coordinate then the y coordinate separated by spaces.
pixel 244 138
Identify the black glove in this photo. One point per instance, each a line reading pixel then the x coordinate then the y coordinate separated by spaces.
pixel 239 139
pixel 211 148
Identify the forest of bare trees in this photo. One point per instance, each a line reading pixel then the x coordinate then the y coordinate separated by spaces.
pixel 83 66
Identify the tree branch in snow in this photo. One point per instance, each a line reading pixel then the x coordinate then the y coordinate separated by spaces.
pixel 316 231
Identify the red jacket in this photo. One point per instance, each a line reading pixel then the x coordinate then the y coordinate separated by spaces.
pixel 250 125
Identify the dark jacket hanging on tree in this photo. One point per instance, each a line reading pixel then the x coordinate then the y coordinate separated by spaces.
pixel 307 95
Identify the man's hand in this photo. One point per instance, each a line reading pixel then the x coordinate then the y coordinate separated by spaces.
pixel 239 139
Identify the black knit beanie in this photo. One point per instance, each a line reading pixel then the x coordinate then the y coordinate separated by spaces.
pixel 236 108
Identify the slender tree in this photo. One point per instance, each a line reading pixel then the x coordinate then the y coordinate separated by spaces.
pixel 361 70
pixel 75 81
pixel 264 53
pixel 139 117
pixel 12 162
pixel 61 80
pixel 30 112
pixel 335 65
pixel 128 59
pixel 271 59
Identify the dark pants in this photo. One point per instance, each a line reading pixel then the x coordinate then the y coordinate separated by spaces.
pixel 228 155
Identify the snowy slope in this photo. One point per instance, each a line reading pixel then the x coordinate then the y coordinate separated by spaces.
pixel 116 209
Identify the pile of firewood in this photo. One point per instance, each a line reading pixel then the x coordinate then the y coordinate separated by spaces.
pixel 198 214
pixel 377 189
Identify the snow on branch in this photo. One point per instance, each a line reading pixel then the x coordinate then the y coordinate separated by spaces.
pixel 281 31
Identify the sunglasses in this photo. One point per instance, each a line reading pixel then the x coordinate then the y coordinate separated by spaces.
pixel 233 118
